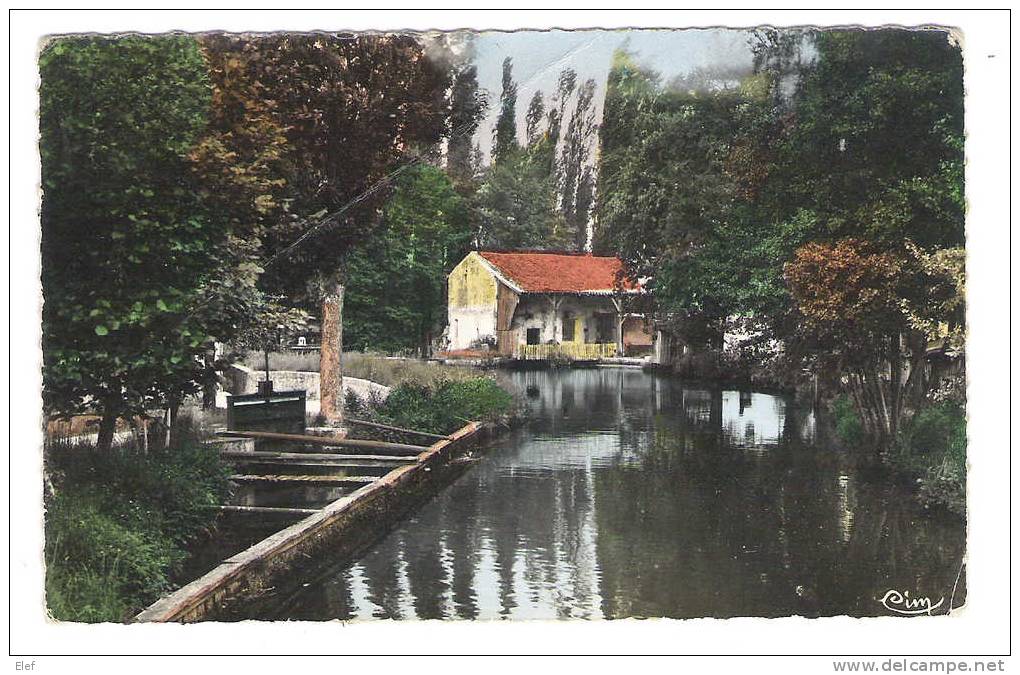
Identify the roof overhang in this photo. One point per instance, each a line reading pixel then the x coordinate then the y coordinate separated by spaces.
pixel 603 293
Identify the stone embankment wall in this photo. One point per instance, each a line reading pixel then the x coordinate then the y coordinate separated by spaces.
pixel 243 380
pixel 341 530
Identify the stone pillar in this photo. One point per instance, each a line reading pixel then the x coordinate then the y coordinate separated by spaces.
pixel 330 355
pixel 618 306
pixel 557 328
pixel 619 334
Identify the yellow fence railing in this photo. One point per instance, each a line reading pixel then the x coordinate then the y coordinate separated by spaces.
pixel 571 351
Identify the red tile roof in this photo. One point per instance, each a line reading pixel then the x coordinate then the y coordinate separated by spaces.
pixel 537 272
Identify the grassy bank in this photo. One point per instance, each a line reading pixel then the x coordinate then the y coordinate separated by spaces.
pixel 930 450
pixel 391 372
pixel 118 524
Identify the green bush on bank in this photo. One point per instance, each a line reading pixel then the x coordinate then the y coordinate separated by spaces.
pixel 444 406
pixel 848 425
pixel 933 446
pixel 118 524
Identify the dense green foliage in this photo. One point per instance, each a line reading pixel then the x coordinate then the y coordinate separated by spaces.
pixel 396 293
pixel 539 195
pixel 444 406
pixel 157 185
pixel 710 191
pixel 938 430
pixel 848 424
pixel 666 199
pixel 128 255
pixel 515 205
pixel 119 522
pixel 185 183
pixel 817 198
pixel 932 447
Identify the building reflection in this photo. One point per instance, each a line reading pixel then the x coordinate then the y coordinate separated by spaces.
pixel 630 495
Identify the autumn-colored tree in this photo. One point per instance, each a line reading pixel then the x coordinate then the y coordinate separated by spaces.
pixel 240 168
pixel 357 109
pixel 872 312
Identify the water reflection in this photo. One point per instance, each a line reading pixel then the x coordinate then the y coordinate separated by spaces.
pixel 633 495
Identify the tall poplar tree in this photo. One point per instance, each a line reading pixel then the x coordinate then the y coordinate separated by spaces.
pixel 504 135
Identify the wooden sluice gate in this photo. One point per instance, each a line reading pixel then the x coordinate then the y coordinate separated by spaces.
pixel 353 469
pixel 323 461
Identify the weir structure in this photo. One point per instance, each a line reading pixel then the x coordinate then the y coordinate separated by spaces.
pixel 341 530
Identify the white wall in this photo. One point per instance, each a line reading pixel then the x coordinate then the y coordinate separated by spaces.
pixel 470 324
pixel 243 380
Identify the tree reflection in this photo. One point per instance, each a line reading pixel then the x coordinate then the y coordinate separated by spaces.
pixel 631 495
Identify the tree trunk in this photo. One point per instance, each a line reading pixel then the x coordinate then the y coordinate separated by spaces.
pixel 857 394
pixel 895 383
pixel 173 407
pixel 107 425
pixel 331 354
pixel 211 381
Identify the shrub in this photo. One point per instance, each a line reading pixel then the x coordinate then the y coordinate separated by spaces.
pixel 446 406
pixel 939 430
pixel 933 445
pixel 100 566
pixel 174 486
pixel 84 595
pixel 119 522
pixel 848 424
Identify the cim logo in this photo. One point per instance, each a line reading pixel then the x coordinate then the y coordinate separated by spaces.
pixel 902 603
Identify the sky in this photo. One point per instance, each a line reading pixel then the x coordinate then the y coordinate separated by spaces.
pixel 540 56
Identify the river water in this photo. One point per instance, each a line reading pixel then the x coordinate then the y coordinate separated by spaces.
pixel 633 495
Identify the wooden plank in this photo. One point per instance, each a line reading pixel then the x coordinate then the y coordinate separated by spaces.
pixel 337 481
pixel 330 441
pixel 387 427
pixel 323 468
pixel 271 464
pixel 314 456
pixel 268 510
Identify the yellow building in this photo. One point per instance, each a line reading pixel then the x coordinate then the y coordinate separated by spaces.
pixel 537 305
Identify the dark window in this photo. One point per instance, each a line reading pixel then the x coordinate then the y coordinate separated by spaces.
pixel 533 336
pixel 568 328
pixel 605 328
